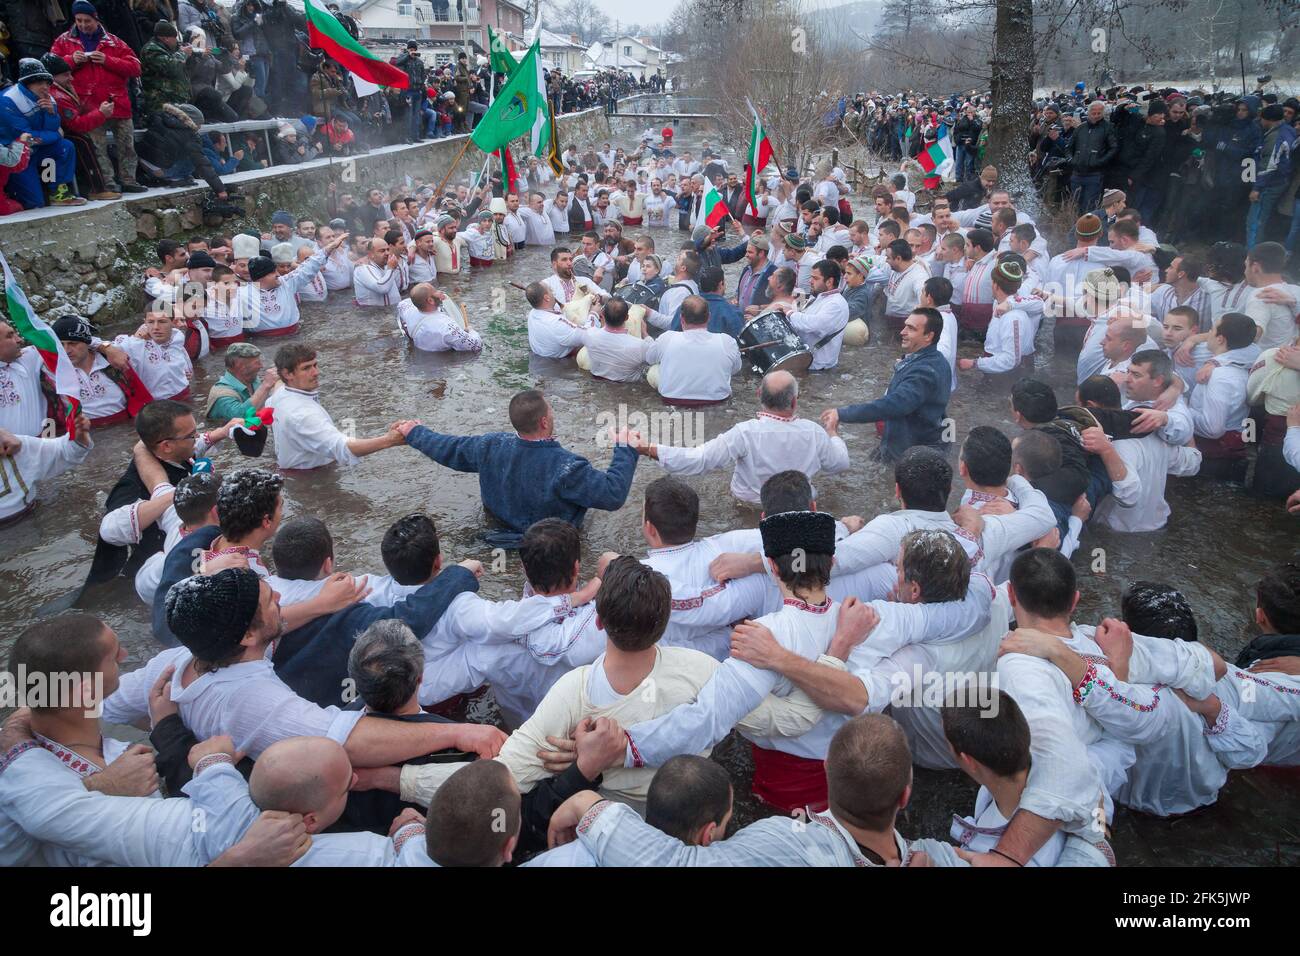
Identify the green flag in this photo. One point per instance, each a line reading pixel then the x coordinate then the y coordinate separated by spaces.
pixel 502 60
pixel 520 109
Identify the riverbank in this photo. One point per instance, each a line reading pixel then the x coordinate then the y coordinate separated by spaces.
pixel 88 259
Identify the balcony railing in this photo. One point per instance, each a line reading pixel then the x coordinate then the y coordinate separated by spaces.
pixel 427 14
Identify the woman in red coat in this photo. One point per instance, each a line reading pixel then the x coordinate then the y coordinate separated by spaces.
pixel 101 66
pixel 78 120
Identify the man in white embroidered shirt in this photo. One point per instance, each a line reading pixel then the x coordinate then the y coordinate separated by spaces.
pixel 615 352
pixel 550 333
pixel 224 682
pixel 305 435
pixel 695 365
pixel 777 440
pixel 376 279
pixel 430 329
pixel 822 322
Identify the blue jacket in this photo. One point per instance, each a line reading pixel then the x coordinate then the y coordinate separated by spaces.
pixel 19 114
pixel 716 256
pixel 1276 156
pixel 913 407
pixel 723 316
pixel 313 660
pixel 522 482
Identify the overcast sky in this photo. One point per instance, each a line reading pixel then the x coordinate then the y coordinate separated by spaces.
pixel 658 11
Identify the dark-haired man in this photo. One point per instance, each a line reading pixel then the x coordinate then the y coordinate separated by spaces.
pixel 1218 404
pixel 1081 725
pixel 690 799
pixel 527 475
pixel 128 532
pixel 305 435
pixel 915 405
pixel 70 796
pixel 590 703
pixel 868 781
pixel 226 682
pixel 822 321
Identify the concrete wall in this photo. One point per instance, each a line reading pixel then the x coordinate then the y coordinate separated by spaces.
pixel 89 260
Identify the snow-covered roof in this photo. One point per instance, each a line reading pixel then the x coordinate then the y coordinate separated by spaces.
pixel 551 41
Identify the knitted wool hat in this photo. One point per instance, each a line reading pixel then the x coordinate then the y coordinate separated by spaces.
pixel 1087 226
pixel 812 532
pixel 210 614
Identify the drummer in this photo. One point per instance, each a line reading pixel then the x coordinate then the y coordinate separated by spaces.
pixel 780 286
pixel 822 321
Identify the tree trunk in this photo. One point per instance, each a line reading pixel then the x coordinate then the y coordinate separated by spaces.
pixel 1013 94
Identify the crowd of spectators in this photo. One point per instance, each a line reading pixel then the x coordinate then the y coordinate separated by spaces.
pixel 1193 162
pixel 121 96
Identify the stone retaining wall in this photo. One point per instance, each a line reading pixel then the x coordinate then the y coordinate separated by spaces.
pixel 89 260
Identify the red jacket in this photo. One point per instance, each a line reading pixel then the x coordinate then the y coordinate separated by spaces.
pixel 95 81
pixel 74 114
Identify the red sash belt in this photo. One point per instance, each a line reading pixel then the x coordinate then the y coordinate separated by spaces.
pixel 182 396
pixel 1274 430
pixel 788 782
pixel 631 220
pixel 1228 445
pixel 975 316
pixel 115 419
pixel 694 402
pixel 274 333
pixel 752 221
pixel 480 263
pixel 215 342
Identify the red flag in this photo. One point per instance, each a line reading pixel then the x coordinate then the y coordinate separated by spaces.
pixel 511 176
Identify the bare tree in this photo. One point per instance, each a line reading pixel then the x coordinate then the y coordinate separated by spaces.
pixel 769 52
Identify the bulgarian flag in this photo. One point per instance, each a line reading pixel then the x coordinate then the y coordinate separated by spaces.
pixel 937 158
pixel 327 34
pixel 31 327
pixel 760 154
pixel 713 208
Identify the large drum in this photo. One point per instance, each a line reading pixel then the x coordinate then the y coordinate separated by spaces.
pixel 638 294
pixel 768 342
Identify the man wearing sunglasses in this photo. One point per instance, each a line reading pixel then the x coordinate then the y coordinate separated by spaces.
pixel 169 442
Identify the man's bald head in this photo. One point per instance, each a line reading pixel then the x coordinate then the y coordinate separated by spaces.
pixel 421 295
pixel 307 775
pixel 778 392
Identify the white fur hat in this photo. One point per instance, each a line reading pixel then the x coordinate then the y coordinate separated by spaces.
pixel 245 247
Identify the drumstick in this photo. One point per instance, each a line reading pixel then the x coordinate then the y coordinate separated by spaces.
pixel 761 345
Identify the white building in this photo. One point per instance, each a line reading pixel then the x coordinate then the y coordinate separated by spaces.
pixel 564 53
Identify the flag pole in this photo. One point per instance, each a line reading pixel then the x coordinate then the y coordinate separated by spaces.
pixel 454 163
